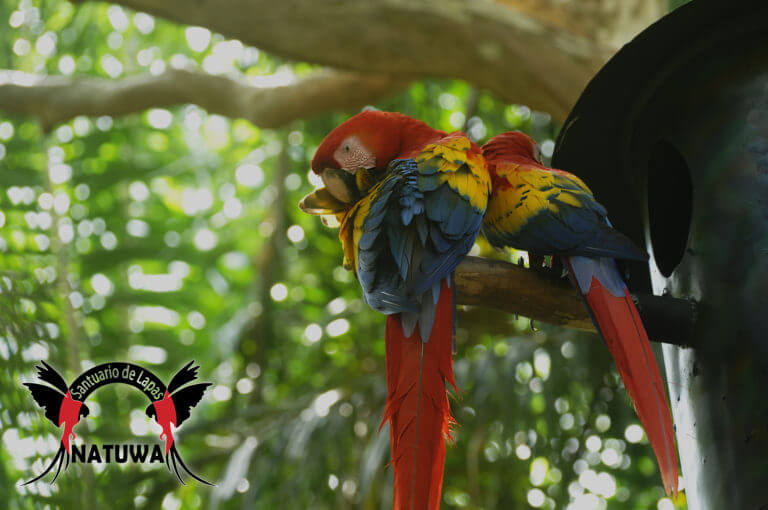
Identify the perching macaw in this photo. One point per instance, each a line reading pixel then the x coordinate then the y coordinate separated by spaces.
pixel 410 200
pixel 551 212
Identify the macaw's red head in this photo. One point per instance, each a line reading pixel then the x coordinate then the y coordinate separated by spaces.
pixel 511 147
pixel 356 153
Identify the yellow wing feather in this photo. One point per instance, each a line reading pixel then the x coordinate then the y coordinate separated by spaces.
pixel 526 191
pixel 455 160
pixel 461 166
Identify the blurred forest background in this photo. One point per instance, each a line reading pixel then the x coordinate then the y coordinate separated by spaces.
pixel 151 158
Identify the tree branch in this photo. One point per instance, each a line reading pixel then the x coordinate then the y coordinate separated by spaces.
pixel 537 52
pixel 605 22
pixel 543 297
pixel 522 56
pixel 56 99
pixel 515 289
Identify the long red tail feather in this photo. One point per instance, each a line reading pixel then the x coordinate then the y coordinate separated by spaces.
pixel 618 322
pixel 417 407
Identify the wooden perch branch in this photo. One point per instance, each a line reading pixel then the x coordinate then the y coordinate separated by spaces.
pixel 543 297
pixel 515 289
pixel 56 99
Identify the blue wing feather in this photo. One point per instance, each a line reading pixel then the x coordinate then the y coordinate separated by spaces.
pixel 417 231
pixel 573 231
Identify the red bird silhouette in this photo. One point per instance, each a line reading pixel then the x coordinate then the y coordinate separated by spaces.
pixel 174 408
pixel 60 408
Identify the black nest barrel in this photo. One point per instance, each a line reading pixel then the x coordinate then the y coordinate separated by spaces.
pixel 672 137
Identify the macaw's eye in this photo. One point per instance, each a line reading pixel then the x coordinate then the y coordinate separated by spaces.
pixel 347 148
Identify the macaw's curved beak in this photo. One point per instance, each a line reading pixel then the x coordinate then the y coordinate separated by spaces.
pixel 341 184
pixel 340 191
pixel 321 202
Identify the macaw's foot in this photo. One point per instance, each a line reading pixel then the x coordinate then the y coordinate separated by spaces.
pixel 537 262
pixel 558 267
pixel 550 266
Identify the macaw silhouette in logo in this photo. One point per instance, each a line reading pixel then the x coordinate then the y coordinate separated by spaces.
pixel 60 408
pixel 174 408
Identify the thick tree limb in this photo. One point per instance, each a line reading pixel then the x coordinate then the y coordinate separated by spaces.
pixel 606 22
pixel 56 99
pixel 543 297
pixel 537 52
pixel 516 52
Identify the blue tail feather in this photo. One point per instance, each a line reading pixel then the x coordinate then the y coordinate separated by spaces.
pixel 604 269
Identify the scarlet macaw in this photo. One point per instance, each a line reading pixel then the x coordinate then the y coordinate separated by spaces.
pixel 410 200
pixel 552 212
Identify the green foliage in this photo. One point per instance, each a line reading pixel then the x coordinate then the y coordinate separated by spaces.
pixel 174 235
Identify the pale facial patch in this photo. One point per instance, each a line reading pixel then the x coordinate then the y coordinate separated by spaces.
pixel 352 154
